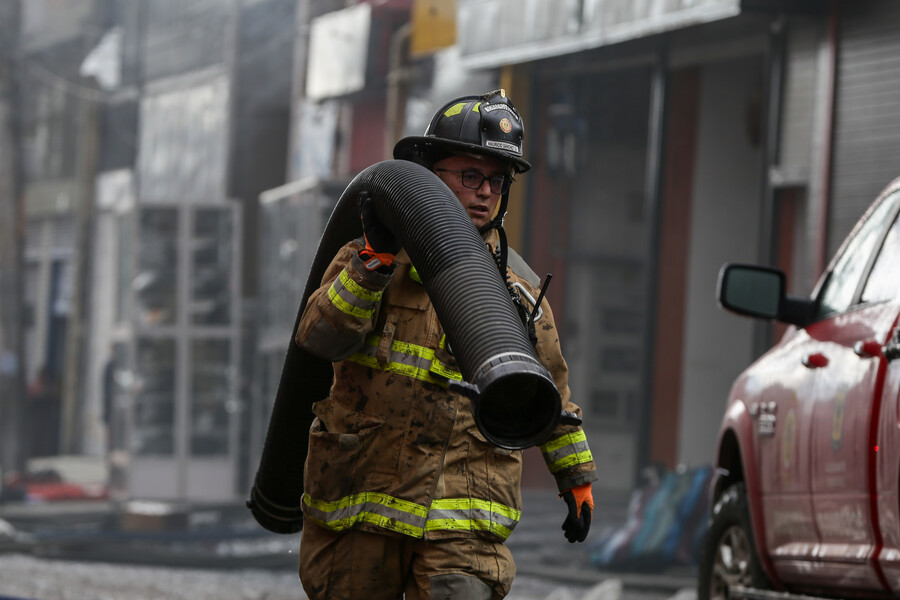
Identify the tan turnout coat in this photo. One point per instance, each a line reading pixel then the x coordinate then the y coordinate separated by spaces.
pixel 392 449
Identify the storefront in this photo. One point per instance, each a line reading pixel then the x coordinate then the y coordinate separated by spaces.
pixel 647 133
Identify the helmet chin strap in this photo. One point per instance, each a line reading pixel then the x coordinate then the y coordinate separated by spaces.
pixel 501 256
pixel 497 223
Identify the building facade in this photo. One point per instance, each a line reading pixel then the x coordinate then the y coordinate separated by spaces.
pixel 179 161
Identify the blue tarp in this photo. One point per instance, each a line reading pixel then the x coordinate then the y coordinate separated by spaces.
pixel 667 520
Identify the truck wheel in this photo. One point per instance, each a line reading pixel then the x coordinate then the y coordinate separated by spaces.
pixel 729 555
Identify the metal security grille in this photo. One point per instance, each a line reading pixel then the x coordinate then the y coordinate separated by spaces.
pixel 177 387
pixel 867 117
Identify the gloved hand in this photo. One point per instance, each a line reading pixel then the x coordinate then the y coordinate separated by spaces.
pixel 581 503
pixel 381 245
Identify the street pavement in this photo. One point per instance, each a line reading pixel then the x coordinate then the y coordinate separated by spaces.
pixel 30 578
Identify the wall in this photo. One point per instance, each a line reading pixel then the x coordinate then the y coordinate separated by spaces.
pixel 724 227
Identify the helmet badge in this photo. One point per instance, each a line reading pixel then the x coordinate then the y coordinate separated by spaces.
pixel 505 125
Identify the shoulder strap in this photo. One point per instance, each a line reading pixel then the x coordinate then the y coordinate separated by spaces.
pixel 521 268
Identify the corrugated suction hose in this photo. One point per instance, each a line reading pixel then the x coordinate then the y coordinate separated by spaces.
pixel 514 399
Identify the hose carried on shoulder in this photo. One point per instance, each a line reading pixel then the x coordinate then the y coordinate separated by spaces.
pixel 515 402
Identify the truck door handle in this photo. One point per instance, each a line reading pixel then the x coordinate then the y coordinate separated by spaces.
pixel 892 351
pixel 892 348
pixel 815 361
pixel 867 349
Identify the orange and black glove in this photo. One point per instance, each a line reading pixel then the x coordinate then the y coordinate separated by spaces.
pixel 581 503
pixel 381 245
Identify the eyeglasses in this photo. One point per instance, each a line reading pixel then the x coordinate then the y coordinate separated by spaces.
pixel 474 180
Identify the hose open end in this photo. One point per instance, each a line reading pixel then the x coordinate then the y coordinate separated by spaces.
pixel 518 405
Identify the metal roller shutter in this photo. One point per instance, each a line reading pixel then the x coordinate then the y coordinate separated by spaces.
pixel 867 104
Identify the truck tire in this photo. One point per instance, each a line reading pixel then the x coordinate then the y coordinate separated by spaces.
pixel 729 554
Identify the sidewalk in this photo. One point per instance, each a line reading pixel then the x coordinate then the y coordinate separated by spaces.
pixel 213 536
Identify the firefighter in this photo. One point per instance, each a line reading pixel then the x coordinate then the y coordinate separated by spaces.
pixel 402 493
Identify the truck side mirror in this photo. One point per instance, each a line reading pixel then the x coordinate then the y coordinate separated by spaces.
pixel 751 290
pixel 758 291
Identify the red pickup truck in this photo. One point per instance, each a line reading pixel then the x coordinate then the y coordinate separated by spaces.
pixel 805 499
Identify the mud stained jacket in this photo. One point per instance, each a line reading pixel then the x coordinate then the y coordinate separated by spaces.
pixel 392 449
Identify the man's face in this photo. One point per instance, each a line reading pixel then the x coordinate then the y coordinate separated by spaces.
pixel 480 203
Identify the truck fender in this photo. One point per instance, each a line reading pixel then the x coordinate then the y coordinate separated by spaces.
pixel 736 436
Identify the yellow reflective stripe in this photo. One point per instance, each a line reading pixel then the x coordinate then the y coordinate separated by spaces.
pixel 401 368
pixel 410 350
pixel 391 524
pixel 427 354
pixel 438 367
pixel 372 519
pixel 414 275
pixel 361 302
pixel 571 460
pixel 358 290
pixel 408 518
pixel 569 438
pixel 496 518
pixel 374 497
pixel 395 367
pixel 468 503
pixel 455 109
pixel 342 514
pixel 346 307
pixel 567 451
pixel 444 371
pixel 476 107
pixel 473 524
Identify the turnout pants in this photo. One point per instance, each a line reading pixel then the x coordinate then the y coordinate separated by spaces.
pixel 356 565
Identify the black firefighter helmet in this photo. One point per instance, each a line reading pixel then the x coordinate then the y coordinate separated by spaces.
pixel 487 125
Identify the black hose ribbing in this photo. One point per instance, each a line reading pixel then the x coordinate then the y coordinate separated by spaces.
pixel 516 405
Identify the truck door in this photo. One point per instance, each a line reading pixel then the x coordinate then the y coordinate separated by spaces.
pixel 858 313
pixel 782 420
pixel 884 283
pixel 887 460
